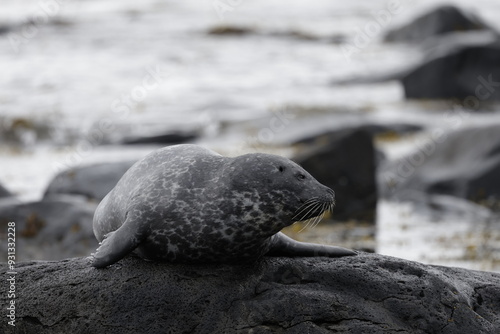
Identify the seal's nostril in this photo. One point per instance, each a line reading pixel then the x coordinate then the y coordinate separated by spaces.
pixel 331 192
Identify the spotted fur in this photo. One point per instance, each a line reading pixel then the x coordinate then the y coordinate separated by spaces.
pixel 185 203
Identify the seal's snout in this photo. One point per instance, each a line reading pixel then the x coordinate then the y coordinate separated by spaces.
pixel 331 194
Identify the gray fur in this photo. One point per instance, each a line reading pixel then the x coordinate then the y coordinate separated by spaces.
pixel 185 203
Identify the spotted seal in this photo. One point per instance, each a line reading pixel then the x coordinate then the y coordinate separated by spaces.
pixel 185 203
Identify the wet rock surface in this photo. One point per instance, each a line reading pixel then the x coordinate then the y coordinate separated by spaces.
pixel 93 181
pixel 364 294
pixel 50 229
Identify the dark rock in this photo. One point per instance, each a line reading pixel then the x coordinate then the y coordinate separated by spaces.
pixel 166 139
pixel 466 72
pixel 4 29
pixel 432 50
pixel 364 294
pixel 4 192
pixel 92 181
pixel 50 229
pixel 464 163
pixel 391 129
pixel 438 21
pixel 344 161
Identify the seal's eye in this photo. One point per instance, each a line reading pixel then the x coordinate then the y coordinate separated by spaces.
pixel 281 169
pixel 301 176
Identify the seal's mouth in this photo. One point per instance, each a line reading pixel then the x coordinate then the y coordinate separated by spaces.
pixel 313 208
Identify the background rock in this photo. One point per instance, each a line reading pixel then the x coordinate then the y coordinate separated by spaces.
pixel 51 229
pixel 460 72
pixel 464 163
pixel 363 294
pixel 93 181
pixel 4 192
pixel 165 139
pixel 436 22
pixel 4 28
pixel 344 161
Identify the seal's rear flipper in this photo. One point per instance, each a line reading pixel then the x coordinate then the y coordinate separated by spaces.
pixel 116 245
pixel 285 246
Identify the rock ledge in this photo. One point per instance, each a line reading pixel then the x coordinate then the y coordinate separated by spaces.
pixel 365 294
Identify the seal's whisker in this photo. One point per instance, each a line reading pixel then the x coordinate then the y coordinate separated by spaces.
pixel 299 214
pixel 303 214
pixel 316 219
pixel 313 222
pixel 310 208
pixel 325 208
pixel 313 207
pixel 329 207
pixel 313 200
pixel 304 227
pixel 308 221
pixel 309 201
pixel 319 218
pixel 304 208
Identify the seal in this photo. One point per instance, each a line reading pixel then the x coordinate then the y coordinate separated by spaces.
pixel 185 203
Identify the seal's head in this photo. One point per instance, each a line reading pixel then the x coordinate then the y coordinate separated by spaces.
pixel 287 192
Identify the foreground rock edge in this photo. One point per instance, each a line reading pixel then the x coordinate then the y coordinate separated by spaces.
pixel 367 293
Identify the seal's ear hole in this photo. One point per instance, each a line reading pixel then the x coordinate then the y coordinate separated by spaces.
pixel 281 169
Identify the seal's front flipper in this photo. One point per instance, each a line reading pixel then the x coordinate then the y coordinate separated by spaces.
pixel 117 244
pixel 285 246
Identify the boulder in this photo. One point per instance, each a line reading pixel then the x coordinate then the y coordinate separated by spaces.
pixel 4 192
pixel 50 229
pixel 468 72
pixel 93 181
pixel 364 294
pixel 464 163
pixel 344 160
pixel 436 22
pixel 4 28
